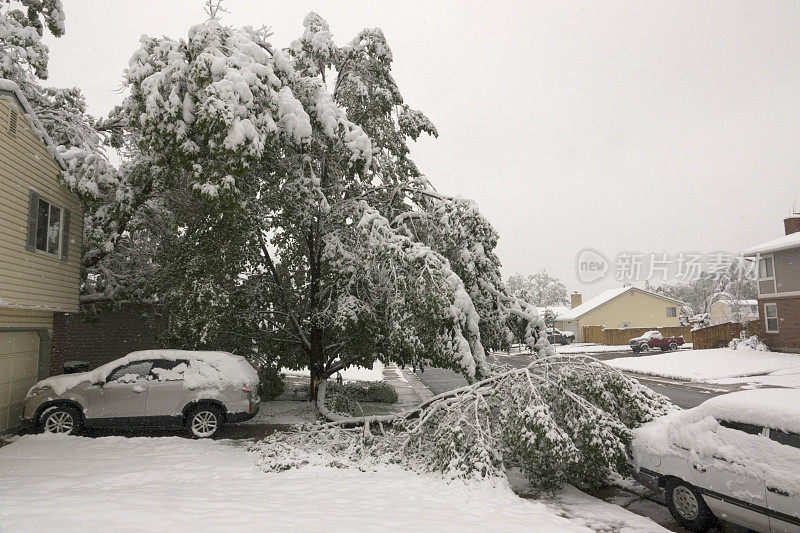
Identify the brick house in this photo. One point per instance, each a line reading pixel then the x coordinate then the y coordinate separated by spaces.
pixel 779 288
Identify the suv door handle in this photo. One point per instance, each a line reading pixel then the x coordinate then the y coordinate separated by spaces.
pixel 699 468
pixel 776 490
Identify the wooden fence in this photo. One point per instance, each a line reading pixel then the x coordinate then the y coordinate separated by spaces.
pixel 720 335
pixel 616 337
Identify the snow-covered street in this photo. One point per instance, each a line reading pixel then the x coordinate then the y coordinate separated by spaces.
pixel 60 483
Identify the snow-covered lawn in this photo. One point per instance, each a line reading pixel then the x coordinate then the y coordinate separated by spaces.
pixel 710 365
pixel 57 483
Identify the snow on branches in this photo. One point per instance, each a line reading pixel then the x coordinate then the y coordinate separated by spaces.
pixel 562 419
pixel 218 100
pixel 23 55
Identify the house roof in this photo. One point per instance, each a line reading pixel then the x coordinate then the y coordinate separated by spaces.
pixel 11 87
pixel 605 297
pixel 781 243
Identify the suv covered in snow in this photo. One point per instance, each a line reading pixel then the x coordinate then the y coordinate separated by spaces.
pixel 735 457
pixel 200 391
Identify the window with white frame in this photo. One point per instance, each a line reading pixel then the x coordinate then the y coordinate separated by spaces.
pixel 672 312
pixel 766 269
pixel 771 317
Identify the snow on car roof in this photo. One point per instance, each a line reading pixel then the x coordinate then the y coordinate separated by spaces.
pixel 774 408
pixel 208 370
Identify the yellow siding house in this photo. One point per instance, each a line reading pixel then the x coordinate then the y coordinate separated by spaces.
pixel 40 250
pixel 623 307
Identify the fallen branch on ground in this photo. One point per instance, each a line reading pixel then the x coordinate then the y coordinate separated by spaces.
pixel 560 419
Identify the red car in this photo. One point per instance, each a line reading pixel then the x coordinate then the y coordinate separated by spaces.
pixel 654 339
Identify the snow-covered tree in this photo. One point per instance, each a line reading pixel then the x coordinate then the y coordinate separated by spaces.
pixel 23 55
pixel 307 222
pixel 700 294
pixel 540 289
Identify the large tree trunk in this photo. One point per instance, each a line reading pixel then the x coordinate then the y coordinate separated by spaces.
pixel 316 363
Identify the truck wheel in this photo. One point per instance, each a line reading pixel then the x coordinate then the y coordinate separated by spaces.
pixel 673 346
pixel 687 507
pixel 644 347
pixel 665 348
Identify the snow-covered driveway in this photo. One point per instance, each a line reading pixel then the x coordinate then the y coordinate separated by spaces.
pixel 57 483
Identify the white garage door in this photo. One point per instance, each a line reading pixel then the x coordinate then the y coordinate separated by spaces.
pixel 19 369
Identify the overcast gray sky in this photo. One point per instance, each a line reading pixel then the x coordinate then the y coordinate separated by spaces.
pixel 652 127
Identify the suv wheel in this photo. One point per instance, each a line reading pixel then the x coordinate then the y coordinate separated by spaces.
pixel 204 421
pixel 62 419
pixel 687 507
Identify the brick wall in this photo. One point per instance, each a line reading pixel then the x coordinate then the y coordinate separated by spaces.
pixel 105 337
pixel 788 337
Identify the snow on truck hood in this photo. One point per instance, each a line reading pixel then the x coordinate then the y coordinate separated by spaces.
pixel 207 370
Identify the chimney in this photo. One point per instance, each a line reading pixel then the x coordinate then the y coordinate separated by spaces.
pixel 576 299
pixel 792 224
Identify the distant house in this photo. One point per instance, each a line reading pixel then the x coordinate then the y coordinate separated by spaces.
pixel 624 307
pixel 779 287
pixel 723 311
pixel 40 250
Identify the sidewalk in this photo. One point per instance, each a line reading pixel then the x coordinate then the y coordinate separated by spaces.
pixel 410 390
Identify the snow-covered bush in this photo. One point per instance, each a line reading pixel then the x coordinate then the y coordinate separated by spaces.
pixel 748 343
pixel 561 419
pixel 270 382
pixel 700 321
pixel 370 391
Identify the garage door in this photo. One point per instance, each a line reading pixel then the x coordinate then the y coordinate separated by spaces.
pixel 19 369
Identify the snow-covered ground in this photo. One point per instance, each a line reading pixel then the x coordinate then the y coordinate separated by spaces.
pixel 285 412
pixel 353 373
pixel 718 365
pixel 58 483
